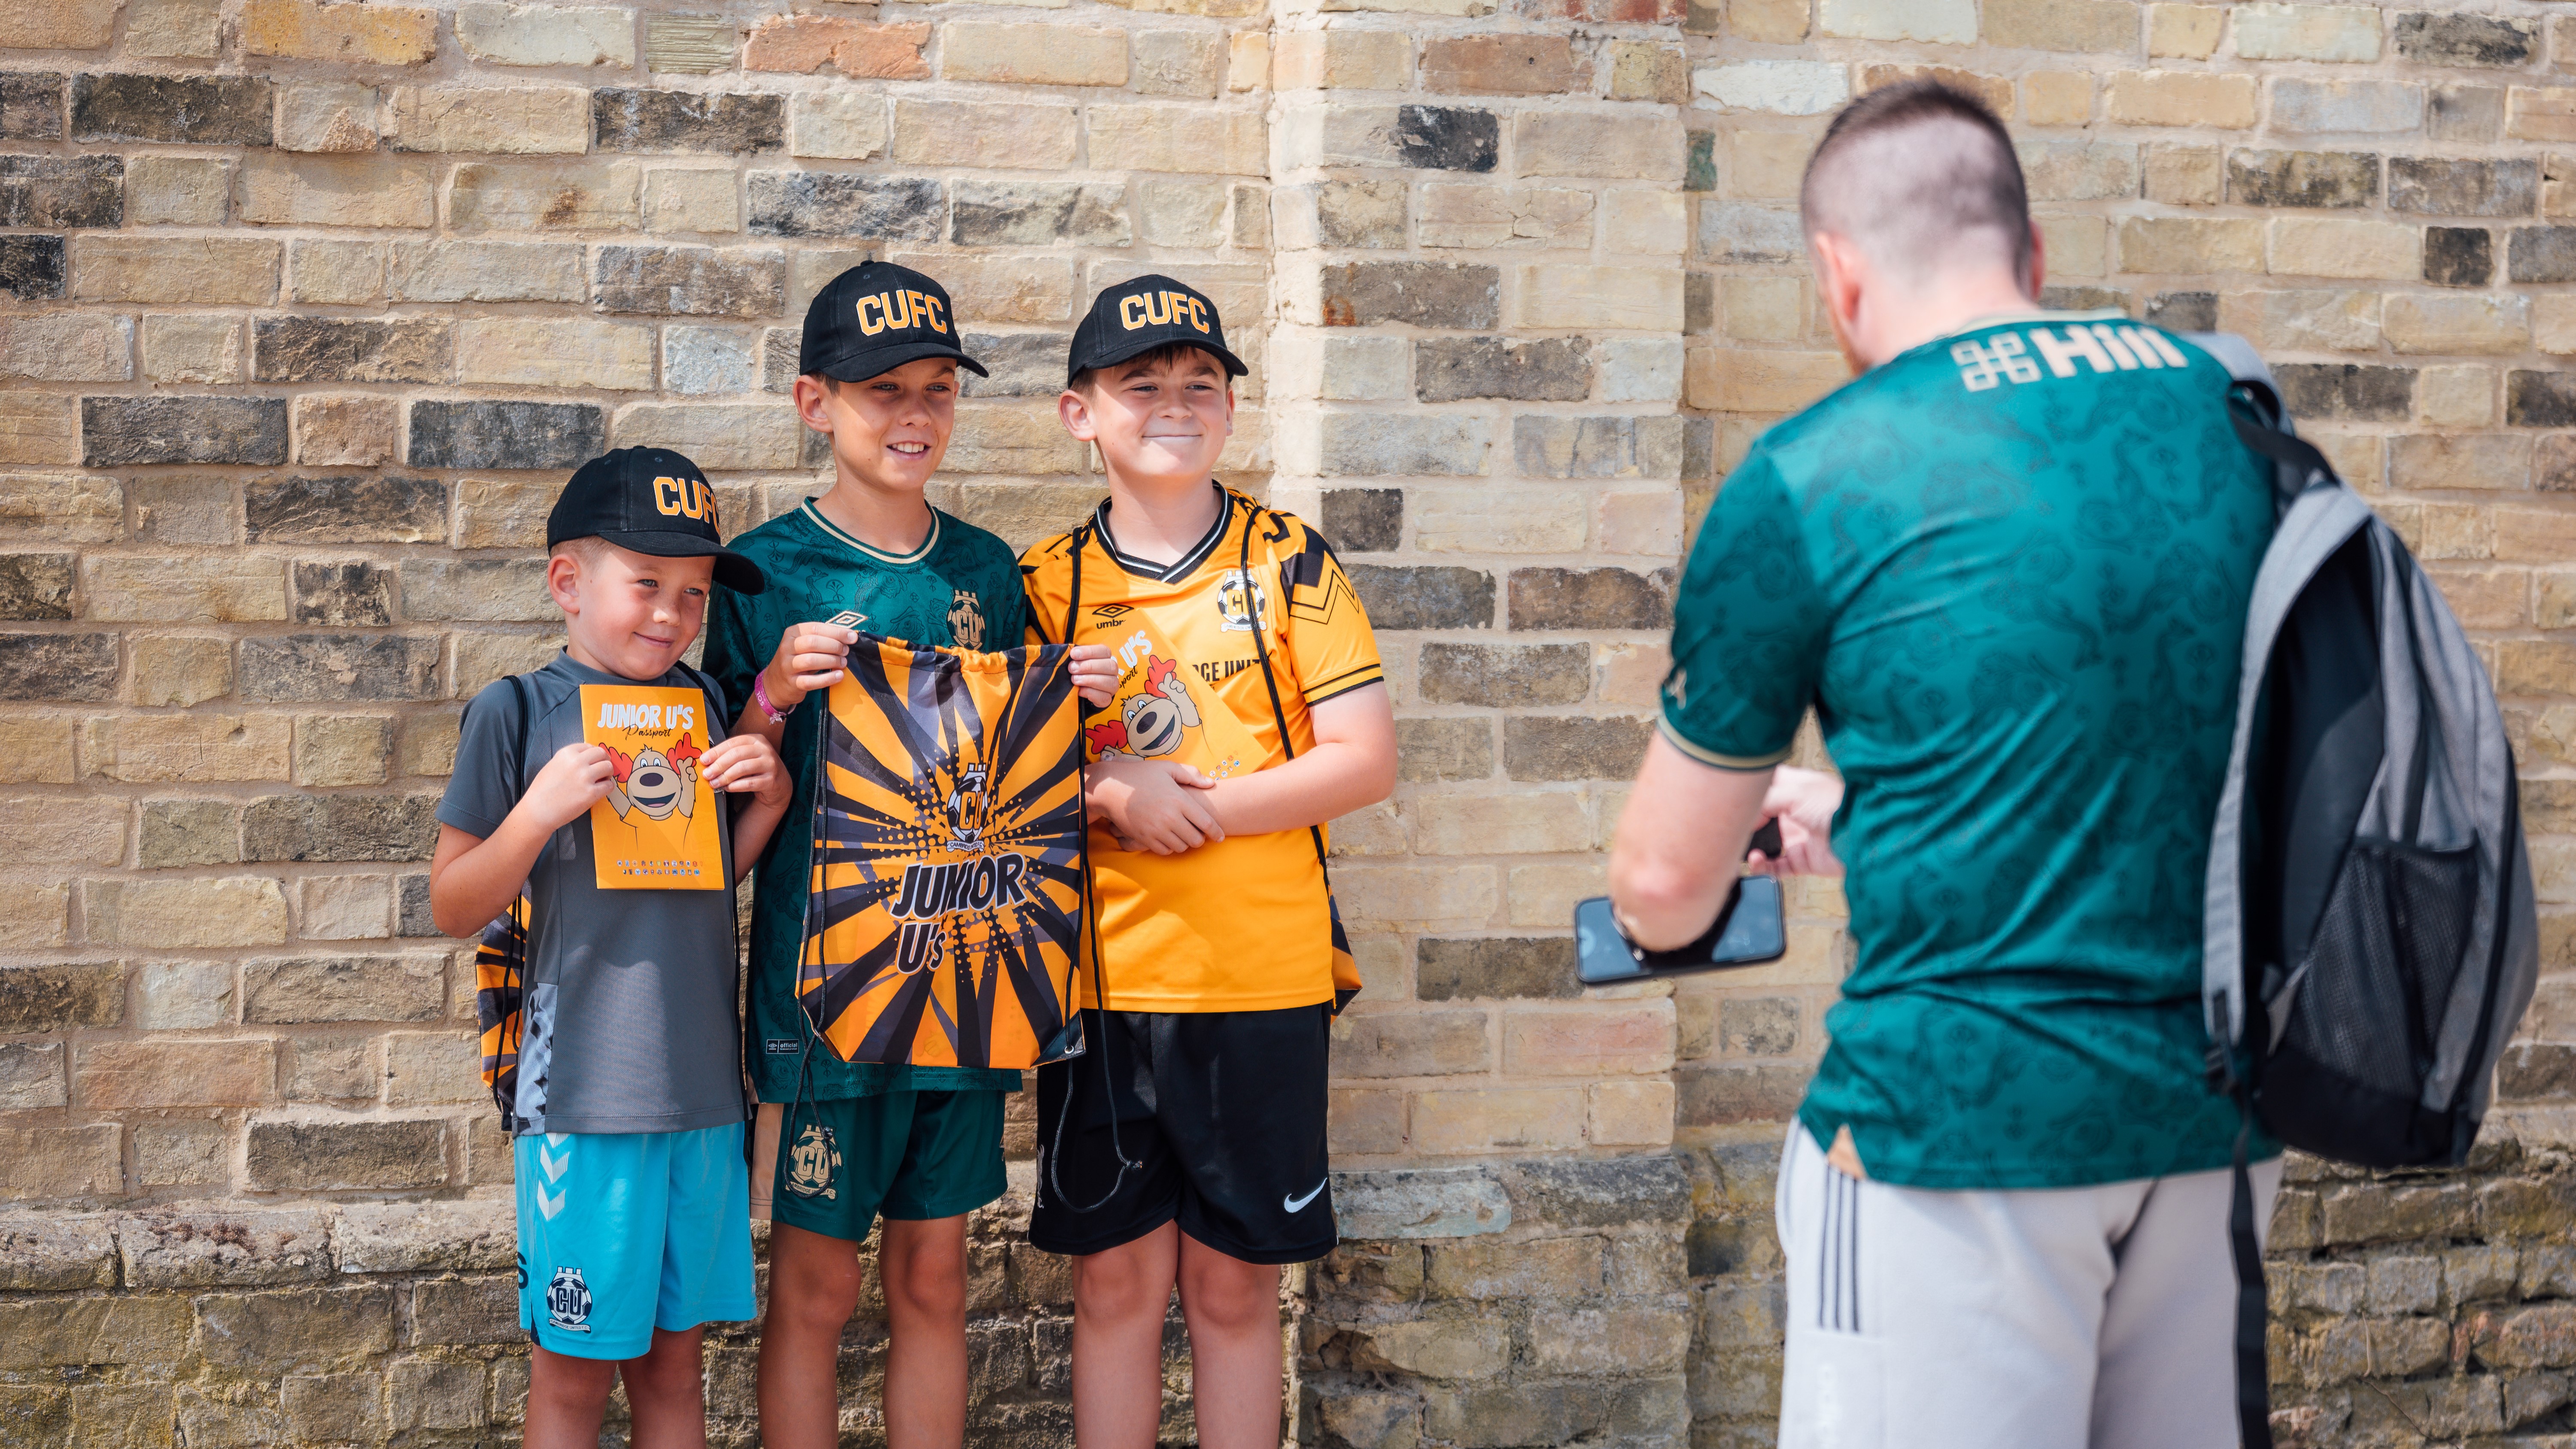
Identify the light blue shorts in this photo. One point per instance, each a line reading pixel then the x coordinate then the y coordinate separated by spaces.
pixel 623 1233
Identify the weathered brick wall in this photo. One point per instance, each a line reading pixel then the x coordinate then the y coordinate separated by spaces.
pixel 306 309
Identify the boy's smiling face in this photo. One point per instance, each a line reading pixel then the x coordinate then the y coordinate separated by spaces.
pixel 889 432
pixel 1156 419
pixel 630 614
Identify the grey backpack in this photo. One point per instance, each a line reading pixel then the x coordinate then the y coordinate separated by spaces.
pixel 2371 940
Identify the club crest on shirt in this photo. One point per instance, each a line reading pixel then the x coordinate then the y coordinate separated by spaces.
pixel 568 1301
pixel 966 619
pixel 1239 599
pixel 813 1163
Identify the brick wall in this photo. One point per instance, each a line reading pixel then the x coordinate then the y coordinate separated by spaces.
pixel 306 309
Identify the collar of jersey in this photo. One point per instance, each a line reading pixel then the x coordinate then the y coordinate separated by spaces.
pixel 1179 568
pixel 2023 319
pixel 842 535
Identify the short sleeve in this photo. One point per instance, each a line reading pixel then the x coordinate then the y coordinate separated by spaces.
pixel 733 654
pixel 1038 585
pixel 1749 628
pixel 1009 624
pixel 490 746
pixel 1330 645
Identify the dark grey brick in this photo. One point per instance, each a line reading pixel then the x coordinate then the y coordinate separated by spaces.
pixel 640 120
pixel 1600 447
pixel 2464 39
pixel 31 267
pixel 2451 186
pixel 58 668
pixel 2459 256
pixel 778 358
pixel 1717 1096
pixel 324 1156
pixel 2537 1071
pixel 1512 966
pixel 1444 749
pixel 1699 164
pixel 1554 747
pixel 1425 596
pixel 1549 369
pixel 2553 470
pixel 506 434
pixel 315 667
pixel 834 204
pixel 358 508
pixel 2347 390
pixel 347 349
pixel 36 585
pixel 185 508
pixel 1446 138
pixel 343 595
pixel 693 281
pixel 1364 520
pixel 1699 302
pixel 67 191
pixel 1023 364
pixel 2184 311
pixel 412 908
pixel 1760 1026
pixel 2302 178
pixel 31 106
pixel 2532 254
pixel 1032 214
pixel 340 827
pixel 2465 113
pixel 1427 294
pixel 116 431
pixel 1590 599
pixel 2084 299
pixel 1602 1192
pixel 2540 399
pixel 206 110
pixel 51 997
pixel 1504 676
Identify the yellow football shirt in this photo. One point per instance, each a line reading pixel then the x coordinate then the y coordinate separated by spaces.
pixel 1244 924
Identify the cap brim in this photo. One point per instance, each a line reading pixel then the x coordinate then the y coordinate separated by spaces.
pixel 732 570
pixel 878 361
pixel 1113 356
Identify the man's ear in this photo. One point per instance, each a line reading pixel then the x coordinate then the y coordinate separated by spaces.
pixel 2038 278
pixel 1074 408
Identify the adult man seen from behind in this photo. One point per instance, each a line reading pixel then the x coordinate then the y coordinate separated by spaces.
pixel 2008 565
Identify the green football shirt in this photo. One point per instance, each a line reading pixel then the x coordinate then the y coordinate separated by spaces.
pixel 961 588
pixel 2010 570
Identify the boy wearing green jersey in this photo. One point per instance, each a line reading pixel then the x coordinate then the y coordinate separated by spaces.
pixel 919 1146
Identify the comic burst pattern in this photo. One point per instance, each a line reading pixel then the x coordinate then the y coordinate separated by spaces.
pixel 942 758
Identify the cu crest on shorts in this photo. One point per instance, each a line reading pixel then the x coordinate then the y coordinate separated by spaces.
pixel 813 1162
pixel 568 1301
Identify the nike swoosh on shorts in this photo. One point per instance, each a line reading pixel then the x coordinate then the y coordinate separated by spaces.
pixel 1298 1204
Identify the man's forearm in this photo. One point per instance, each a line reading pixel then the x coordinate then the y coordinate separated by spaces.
pixel 1681 845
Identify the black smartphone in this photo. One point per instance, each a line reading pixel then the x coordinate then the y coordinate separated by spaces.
pixel 1748 932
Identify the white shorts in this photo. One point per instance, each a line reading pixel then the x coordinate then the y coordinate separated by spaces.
pixel 2040 1319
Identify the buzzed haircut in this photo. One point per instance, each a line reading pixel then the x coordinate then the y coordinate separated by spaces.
pixel 1919 175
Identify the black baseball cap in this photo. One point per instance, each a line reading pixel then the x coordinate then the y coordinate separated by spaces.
pixel 653 501
pixel 1136 317
pixel 876 317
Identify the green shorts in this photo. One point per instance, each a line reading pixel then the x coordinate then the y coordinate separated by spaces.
pixel 912 1156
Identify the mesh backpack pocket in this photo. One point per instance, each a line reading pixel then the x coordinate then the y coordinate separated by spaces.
pixel 500 1004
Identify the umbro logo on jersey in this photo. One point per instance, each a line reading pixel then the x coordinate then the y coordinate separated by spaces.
pixel 2007 357
pixel 1298 1204
pixel 1112 613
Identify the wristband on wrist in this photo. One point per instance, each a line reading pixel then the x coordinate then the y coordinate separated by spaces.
pixel 760 696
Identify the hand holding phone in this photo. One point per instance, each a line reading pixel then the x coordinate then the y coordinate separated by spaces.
pixel 1749 930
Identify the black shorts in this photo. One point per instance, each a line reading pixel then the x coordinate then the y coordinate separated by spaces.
pixel 1223 1112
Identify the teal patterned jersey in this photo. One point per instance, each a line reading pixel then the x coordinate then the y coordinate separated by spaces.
pixel 2010 570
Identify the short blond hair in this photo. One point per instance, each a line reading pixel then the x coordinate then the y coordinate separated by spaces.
pixel 585 551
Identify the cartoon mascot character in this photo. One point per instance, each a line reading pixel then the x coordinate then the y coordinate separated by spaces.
pixel 655 783
pixel 1152 720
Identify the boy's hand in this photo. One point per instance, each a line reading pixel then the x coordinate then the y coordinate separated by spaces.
pixel 748 764
pixel 577 778
pixel 810 657
pixel 1094 673
pixel 1154 805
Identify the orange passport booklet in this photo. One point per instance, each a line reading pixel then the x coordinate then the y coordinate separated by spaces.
pixel 659 829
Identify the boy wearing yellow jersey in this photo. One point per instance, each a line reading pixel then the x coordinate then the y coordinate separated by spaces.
pixel 1250 710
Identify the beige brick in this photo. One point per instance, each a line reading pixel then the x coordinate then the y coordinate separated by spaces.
pixel 2306 320
pixel 34 916
pixel 192 347
pixel 1640 221
pixel 163 914
pixel 2184 32
pixel 342 749
pixel 175 1074
pixel 329 116
pixel 2181 98
pixel 1590 143
pixel 345 907
pixel 544 196
pixel 330 191
pixel 1765 165
pixel 1762 309
pixel 1762 382
pixel 2324 248
pixel 1939 22
pixel 172 29
pixel 1181 213
pixel 2307 32
pixel 428 744
pixel 36 751
pixel 205 271
pixel 1649 298
pixel 531 352
pixel 1640 71
pixel 971 133
pixel 57 24
pixel 807 43
pixel 2541 113
pixel 1499 825
pixel 2462 396
pixel 38 427
pixel 346 273
pixel 179 670
pixel 199 748
pixel 1768 22
pixel 511 120
pixel 345 431
pixel 2187 244
pixel 423 1067
pixel 688 44
pixel 85 1163
pixel 716 436
pixel 362 33
pixel 502 515
pixel 1595 1039
pixel 2057 98
pixel 832 126
pixel 2468 461
pixel 2459 531
pixel 2451 322
pixel 678 199
pixel 2102 26
pixel 546 34
pixel 1629 1114
pixel 1447 1123
pixel 177 190
pixel 1996 91
pixel 1247 62
pixel 2499 598
pixel 35 830
pixel 1039 55
pixel 61 507
pixel 1479 217
pixel 1178 138
pixel 1779 87
pixel 2185 175
pixel 1418 896
pixel 1012 439
pixel 990 288
pixel 1367 60
pixel 1505 63
pixel 2076 246
pixel 67 347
